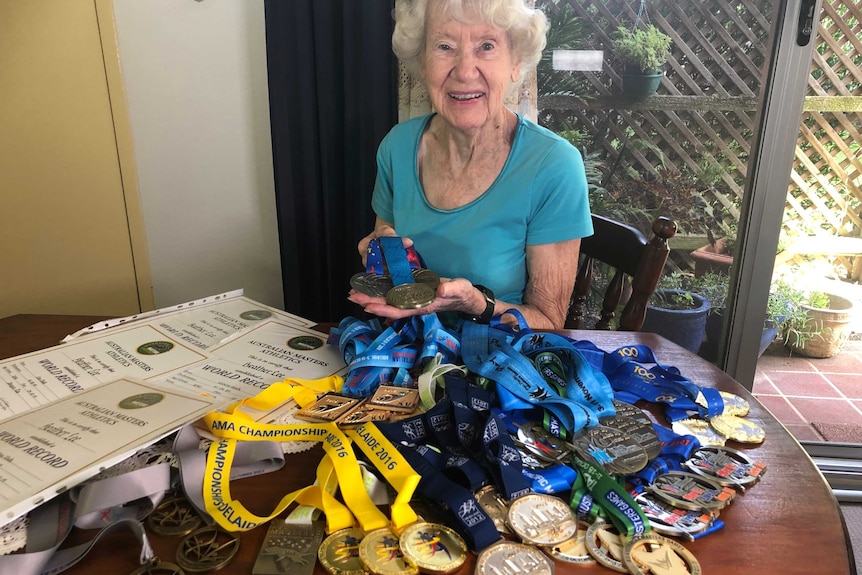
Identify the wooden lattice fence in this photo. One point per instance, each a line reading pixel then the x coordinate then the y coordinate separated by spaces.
pixel 702 121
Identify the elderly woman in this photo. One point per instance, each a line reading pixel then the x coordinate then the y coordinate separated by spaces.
pixel 495 204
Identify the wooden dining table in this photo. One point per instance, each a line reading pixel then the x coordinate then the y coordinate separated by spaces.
pixel 787 523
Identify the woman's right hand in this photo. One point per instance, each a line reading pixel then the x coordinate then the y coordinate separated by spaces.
pixel 381 229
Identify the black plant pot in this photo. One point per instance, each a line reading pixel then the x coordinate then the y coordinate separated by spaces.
pixel 685 327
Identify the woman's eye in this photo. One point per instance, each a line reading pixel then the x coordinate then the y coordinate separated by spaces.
pixel 444 47
pixel 487 46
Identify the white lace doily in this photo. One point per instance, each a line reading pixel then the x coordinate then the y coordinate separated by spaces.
pixel 13 536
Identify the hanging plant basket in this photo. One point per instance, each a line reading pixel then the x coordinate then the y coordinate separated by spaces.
pixel 641 85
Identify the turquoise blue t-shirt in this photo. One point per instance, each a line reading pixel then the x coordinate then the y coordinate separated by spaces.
pixel 540 197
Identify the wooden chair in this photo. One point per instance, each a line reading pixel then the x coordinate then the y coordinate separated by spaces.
pixel 637 263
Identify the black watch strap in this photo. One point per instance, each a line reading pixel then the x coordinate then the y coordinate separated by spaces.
pixel 490 302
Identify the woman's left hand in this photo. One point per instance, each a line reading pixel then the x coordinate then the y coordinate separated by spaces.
pixel 452 295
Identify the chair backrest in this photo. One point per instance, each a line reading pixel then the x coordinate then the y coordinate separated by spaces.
pixel 637 264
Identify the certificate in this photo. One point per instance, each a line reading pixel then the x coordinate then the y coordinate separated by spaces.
pixel 267 353
pixel 52 448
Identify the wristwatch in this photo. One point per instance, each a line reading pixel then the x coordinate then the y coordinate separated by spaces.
pixel 490 302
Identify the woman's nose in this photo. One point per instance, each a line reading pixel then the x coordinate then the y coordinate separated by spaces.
pixel 465 65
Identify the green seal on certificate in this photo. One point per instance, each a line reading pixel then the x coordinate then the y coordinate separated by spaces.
pixel 305 342
pixel 141 400
pixel 155 347
pixel 255 314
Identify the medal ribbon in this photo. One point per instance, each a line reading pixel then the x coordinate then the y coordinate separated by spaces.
pixel 624 513
pixel 487 352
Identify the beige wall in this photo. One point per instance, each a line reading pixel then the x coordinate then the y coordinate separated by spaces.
pixel 196 85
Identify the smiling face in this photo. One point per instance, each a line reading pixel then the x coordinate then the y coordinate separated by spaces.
pixel 468 70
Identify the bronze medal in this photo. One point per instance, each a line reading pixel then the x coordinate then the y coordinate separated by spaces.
pixel 394 398
pixel 611 449
pixel 360 414
pixel 328 408
pixel 691 491
pixel 207 549
pixel 289 548
pixel 411 295
pixel 339 553
pixel 657 555
pixel 433 548
pixel 726 466
pixel 738 429
pixel 605 544
pixel 508 558
pixel 424 276
pixel 174 516
pixel 380 553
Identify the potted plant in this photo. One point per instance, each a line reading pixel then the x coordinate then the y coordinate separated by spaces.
pixel 714 257
pixel 642 51
pixel 677 313
pixel 818 323
pixel 715 286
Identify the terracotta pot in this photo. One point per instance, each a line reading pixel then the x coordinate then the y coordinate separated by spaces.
pixel 833 323
pixel 709 258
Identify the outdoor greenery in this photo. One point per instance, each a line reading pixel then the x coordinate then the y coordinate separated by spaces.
pixel 641 50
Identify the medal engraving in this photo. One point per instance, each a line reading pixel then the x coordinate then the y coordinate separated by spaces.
pixel 380 553
pixel 644 434
pixel 288 548
pixel 691 491
pixel 667 519
pixel 395 398
pixel 508 558
pixel 738 429
pixel 605 544
pixel 726 466
pixel 207 549
pixel 433 548
pixel 374 285
pixel 328 408
pixel 611 449
pixel 657 555
pixel 339 553
pixel 174 516
pixel 411 296
pixel 700 429
pixel 495 507
pixel 733 404
pixel 573 550
pixel 542 519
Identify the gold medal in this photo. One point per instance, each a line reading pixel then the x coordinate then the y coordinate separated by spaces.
pixel 380 553
pixel 573 550
pixel 394 398
pixel 699 428
pixel 339 553
pixel 657 555
pixel 328 408
pixel 605 544
pixel 733 404
pixel 433 548
pixel 174 516
pixel 542 519
pixel 507 558
pixel 207 549
pixel 738 429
